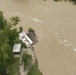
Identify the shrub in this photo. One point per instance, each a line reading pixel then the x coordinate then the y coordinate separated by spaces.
pixel 15 20
pixel 30 30
pixel 20 29
pixel 26 59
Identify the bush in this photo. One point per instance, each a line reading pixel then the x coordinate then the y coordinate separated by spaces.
pixel 30 30
pixel 23 45
pixel 15 20
pixel 20 29
pixel 26 59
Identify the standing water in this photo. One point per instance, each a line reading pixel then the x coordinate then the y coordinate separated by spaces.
pixel 55 25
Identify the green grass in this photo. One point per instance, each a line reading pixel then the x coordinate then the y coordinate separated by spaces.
pixel 14 67
pixel 34 70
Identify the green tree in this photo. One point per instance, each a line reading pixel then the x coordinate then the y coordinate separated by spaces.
pixel 30 30
pixel 6 48
pixel 3 70
pixel 3 63
pixel 3 37
pixel 3 22
pixel 13 34
pixel 15 20
pixel 8 36
pixel 26 59
pixel 6 57
pixel 20 29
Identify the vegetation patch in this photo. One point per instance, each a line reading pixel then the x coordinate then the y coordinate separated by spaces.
pixel 34 70
pixel 26 59
pixel 14 67
pixel 30 30
pixel 8 37
pixel 14 20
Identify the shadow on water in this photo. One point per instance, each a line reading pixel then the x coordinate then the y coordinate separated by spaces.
pixel 22 1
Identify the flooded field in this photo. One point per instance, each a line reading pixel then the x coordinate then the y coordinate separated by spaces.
pixel 55 26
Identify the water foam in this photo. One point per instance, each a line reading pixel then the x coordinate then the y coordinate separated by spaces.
pixel 63 41
pixel 22 15
pixel 37 20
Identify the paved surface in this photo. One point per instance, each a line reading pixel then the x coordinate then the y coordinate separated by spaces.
pixel 22 72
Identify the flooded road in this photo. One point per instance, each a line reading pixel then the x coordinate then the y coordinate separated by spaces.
pixel 55 26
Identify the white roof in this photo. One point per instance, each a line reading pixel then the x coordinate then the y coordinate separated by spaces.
pixel 26 42
pixel 29 39
pixel 16 48
pixel 22 34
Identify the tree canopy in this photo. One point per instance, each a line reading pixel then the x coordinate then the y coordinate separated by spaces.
pixel 14 20
pixel 7 38
pixel 30 30
pixel 3 22
pixel 26 59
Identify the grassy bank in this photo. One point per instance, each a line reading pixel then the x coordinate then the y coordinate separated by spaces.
pixel 34 70
pixel 14 67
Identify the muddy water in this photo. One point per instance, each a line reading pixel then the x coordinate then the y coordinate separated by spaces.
pixel 55 25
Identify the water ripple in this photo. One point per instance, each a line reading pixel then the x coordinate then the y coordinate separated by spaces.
pixel 63 41
pixel 23 16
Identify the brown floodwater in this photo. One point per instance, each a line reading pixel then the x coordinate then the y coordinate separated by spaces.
pixel 55 26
